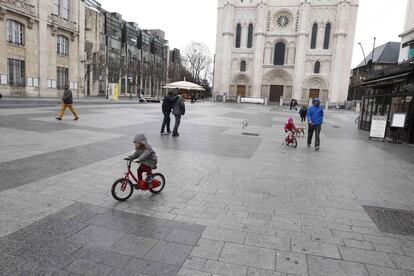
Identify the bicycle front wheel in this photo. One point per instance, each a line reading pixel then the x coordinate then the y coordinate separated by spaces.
pixel 157 184
pixel 295 143
pixel 122 189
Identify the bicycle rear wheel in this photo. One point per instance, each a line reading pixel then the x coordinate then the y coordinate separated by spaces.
pixel 122 190
pixel 157 184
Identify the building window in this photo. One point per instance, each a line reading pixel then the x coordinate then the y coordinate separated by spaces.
pixel 327 36
pixel 56 7
pixel 279 58
pixel 61 8
pixel 317 68
pixel 15 32
pixel 65 9
pixel 16 72
pixel 314 36
pixel 250 37
pixel 62 77
pixel 238 35
pixel 62 45
pixel 243 66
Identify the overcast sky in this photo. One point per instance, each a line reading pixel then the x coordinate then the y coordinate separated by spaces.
pixel 195 20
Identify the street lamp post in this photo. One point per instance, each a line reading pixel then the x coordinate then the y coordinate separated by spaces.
pixel 373 52
pixel 363 52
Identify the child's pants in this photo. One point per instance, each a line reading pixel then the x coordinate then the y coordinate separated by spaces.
pixel 144 168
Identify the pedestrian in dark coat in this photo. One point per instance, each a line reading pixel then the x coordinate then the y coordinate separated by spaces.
pixel 302 112
pixel 178 111
pixel 167 106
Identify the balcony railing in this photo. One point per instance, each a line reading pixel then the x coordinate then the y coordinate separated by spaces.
pixel 63 23
pixel 21 6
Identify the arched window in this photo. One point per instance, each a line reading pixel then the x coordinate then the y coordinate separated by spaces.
pixel 238 35
pixel 250 37
pixel 327 36
pixel 62 45
pixel 314 36
pixel 279 58
pixel 243 66
pixel 15 32
pixel 317 68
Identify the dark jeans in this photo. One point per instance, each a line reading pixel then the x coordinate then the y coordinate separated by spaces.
pixel 303 118
pixel 317 129
pixel 166 122
pixel 177 124
pixel 144 168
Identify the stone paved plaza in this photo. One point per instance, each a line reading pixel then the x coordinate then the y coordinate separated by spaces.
pixel 234 204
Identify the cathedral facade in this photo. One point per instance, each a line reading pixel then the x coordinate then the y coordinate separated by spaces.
pixel 290 49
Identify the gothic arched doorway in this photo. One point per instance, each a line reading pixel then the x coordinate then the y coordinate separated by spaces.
pixel 276 84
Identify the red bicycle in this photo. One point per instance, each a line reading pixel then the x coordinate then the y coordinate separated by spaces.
pixel 290 140
pixel 123 188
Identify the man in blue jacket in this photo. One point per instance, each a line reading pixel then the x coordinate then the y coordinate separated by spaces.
pixel 315 120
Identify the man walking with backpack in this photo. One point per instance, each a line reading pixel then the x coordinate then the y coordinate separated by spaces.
pixel 178 111
pixel 67 102
pixel 315 119
pixel 167 105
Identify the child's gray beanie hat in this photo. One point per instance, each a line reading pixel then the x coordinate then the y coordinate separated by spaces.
pixel 140 137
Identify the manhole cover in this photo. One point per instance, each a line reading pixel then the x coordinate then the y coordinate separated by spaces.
pixel 392 221
pixel 250 134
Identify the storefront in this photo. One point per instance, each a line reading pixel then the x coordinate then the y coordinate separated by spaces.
pixel 387 92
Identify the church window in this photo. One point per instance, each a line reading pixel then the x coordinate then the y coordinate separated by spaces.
pixel 327 36
pixel 250 37
pixel 314 36
pixel 238 35
pixel 243 66
pixel 279 58
pixel 317 68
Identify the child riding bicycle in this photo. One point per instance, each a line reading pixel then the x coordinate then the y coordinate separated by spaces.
pixel 145 155
pixel 289 129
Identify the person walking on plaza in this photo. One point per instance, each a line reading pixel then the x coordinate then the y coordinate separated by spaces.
pixel 302 112
pixel 167 105
pixel 67 102
pixel 315 120
pixel 178 111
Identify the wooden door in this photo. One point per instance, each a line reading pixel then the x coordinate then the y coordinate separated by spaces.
pixel 314 93
pixel 276 91
pixel 241 90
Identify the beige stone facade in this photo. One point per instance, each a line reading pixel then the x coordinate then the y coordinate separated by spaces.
pixel 41 24
pixel 284 49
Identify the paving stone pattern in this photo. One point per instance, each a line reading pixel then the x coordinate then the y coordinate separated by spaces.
pixel 233 204
pixel 67 243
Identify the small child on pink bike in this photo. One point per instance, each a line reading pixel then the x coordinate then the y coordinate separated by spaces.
pixel 145 155
pixel 289 129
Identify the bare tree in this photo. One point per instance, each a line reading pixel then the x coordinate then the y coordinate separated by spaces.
pixel 197 60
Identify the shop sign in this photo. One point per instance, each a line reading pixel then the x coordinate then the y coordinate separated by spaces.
pixel 378 127
pixel 398 120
